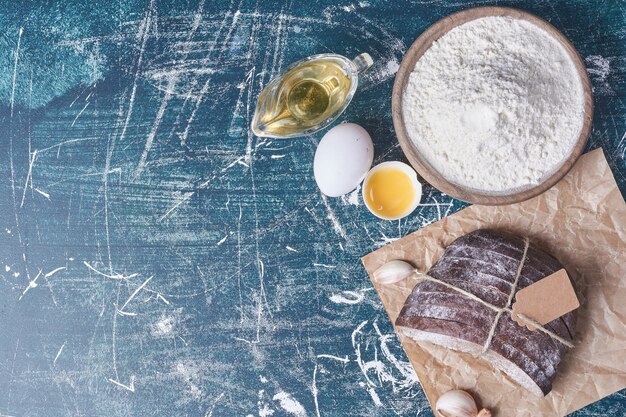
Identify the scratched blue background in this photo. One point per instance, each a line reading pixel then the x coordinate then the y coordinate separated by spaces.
pixel 158 259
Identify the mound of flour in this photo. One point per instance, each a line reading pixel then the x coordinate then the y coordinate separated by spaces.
pixel 494 105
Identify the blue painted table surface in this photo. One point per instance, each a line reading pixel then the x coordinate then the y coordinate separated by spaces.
pixel 158 259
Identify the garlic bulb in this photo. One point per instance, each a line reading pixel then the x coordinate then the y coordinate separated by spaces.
pixel 393 271
pixel 456 403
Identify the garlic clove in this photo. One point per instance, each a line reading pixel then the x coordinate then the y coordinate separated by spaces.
pixel 484 413
pixel 457 403
pixel 393 271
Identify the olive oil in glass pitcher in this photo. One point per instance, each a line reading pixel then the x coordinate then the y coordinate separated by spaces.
pixel 308 96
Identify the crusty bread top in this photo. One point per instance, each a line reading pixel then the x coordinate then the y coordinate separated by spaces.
pixel 485 263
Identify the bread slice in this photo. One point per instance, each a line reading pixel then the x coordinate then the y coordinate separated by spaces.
pixel 486 263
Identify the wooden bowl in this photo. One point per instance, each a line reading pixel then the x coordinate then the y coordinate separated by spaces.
pixel 422 166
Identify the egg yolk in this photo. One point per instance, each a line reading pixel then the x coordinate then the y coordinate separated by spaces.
pixel 389 192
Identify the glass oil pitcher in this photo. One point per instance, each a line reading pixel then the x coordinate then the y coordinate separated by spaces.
pixel 308 96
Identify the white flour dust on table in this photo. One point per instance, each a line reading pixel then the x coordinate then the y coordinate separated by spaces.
pixel 494 105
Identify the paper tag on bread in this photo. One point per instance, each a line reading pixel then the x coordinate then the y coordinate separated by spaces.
pixel 545 300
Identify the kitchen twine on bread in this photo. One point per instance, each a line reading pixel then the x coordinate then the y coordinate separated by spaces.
pixel 500 310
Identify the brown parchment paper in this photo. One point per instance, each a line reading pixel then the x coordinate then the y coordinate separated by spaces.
pixel 582 222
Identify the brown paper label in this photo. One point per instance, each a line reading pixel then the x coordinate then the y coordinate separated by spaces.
pixel 545 300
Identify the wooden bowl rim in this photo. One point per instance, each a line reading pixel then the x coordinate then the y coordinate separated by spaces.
pixel 426 171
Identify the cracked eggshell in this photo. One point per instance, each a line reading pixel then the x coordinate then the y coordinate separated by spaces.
pixel 343 157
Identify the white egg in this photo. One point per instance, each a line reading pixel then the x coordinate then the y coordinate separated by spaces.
pixel 343 157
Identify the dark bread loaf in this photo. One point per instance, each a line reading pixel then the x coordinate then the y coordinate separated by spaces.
pixel 486 263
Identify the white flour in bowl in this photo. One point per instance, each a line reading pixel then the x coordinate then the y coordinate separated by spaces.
pixel 494 105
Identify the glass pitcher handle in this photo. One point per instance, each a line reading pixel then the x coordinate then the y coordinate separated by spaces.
pixel 362 62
